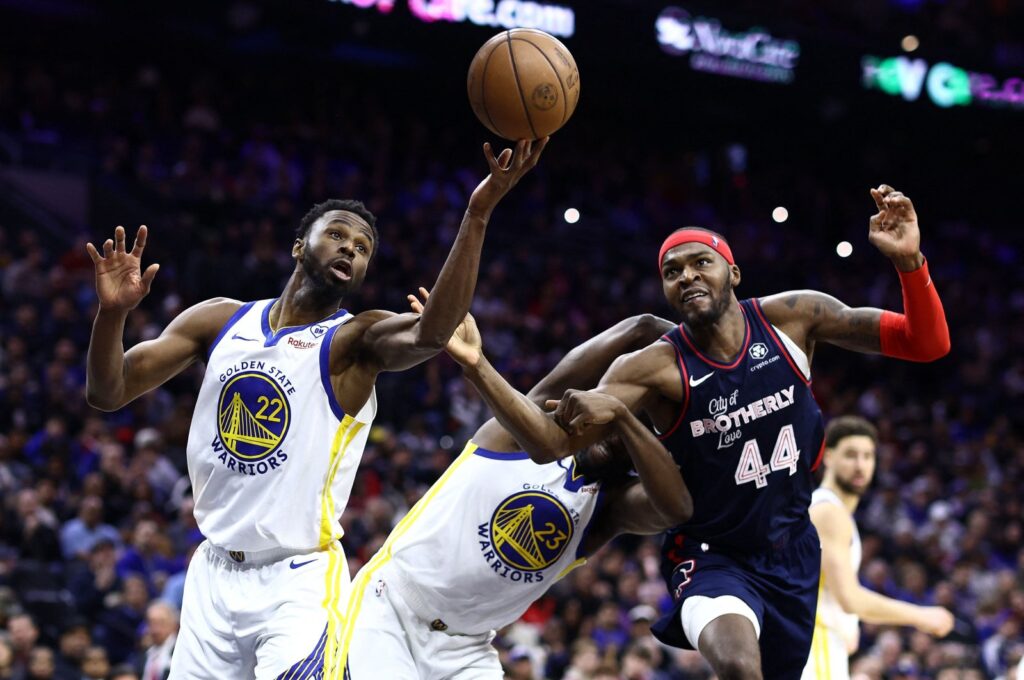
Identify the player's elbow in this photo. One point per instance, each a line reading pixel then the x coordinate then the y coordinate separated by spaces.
pixel 681 511
pixel 542 454
pixel 847 599
pixel 942 347
pixel 432 343
pixel 101 401
pixel 645 328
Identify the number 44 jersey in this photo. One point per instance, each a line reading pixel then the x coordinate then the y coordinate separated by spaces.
pixel 747 438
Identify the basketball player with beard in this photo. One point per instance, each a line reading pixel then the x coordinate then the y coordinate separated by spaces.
pixel 280 423
pixel 729 391
pixel 850 444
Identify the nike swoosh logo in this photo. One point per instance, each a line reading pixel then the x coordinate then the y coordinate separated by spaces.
pixel 236 336
pixel 694 383
pixel 301 564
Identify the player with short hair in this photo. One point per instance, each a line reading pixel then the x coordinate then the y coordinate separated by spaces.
pixel 729 389
pixel 280 423
pixel 849 460
pixel 497 530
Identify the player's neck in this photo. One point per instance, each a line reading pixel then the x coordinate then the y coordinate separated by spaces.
pixel 849 500
pixel 722 339
pixel 300 305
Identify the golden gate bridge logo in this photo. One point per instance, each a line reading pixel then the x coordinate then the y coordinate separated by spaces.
pixel 253 415
pixel 531 530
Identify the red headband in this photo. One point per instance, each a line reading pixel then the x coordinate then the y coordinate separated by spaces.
pixel 682 236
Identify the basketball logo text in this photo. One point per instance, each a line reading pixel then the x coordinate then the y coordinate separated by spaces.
pixel 528 532
pixel 253 417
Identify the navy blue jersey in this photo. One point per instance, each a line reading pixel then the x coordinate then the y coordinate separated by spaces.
pixel 747 438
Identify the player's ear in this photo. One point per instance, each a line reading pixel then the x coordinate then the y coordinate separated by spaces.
pixel 297 248
pixel 734 274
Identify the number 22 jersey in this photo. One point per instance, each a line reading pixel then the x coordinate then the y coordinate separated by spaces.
pixel 748 436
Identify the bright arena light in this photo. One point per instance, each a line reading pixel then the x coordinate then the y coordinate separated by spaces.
pixel 844 249
pixel 780 214
pixel 910 43
pixel 572 215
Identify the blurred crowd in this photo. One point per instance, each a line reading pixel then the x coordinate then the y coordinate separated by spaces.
pixel 96 525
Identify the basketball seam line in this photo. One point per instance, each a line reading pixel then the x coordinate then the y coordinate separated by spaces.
pixel 565 94
pixel 519 86
pixel 483 90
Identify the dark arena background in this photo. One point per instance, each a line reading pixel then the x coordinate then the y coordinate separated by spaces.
pixel 219 123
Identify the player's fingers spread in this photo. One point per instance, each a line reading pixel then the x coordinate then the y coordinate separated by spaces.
pixel 108 248
pixel 424 293
pixel 93 253
pixel 505 159
pixel 119 237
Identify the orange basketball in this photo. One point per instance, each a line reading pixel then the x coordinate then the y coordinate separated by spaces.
pixel 523 84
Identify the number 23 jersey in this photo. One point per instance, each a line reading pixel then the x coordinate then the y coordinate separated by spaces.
pixel 747 438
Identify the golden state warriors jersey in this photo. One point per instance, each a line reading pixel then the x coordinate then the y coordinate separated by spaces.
pixel 830 614
pixel 271 455
pixel 490 537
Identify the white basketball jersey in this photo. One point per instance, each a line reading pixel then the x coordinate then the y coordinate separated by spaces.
pixel 271 455
pixel 490 537
pixel 830 614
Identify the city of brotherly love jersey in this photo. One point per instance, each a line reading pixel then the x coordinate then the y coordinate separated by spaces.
pixel 830 614
pixel 490 537
pixel 747 438
pixel 271 455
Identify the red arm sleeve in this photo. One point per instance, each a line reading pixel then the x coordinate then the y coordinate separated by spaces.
pixel 920 333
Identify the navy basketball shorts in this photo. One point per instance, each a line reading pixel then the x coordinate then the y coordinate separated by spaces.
pixel 779 585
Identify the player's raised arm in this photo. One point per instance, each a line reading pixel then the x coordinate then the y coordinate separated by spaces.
pixel 920 333
pixel 835 529
pixel 397 342
pixel 113 377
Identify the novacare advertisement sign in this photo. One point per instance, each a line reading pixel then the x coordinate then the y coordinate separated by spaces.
pixel 751 53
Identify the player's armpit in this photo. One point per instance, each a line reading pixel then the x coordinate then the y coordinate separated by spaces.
pixel 809 316
pixel 115 377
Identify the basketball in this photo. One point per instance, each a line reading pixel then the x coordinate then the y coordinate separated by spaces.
pixel 523 84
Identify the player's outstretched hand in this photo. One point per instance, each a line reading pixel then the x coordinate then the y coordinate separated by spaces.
pixel 465 345
pixel 507 168
pixel 120 282
pixel 937 621
pixel 578 410
pixel 894 230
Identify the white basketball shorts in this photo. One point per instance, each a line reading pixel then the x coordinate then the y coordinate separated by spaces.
pixel 389 640
pixel 269 615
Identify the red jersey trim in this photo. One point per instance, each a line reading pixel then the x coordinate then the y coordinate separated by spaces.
pixel 711 362
pixel 817 461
